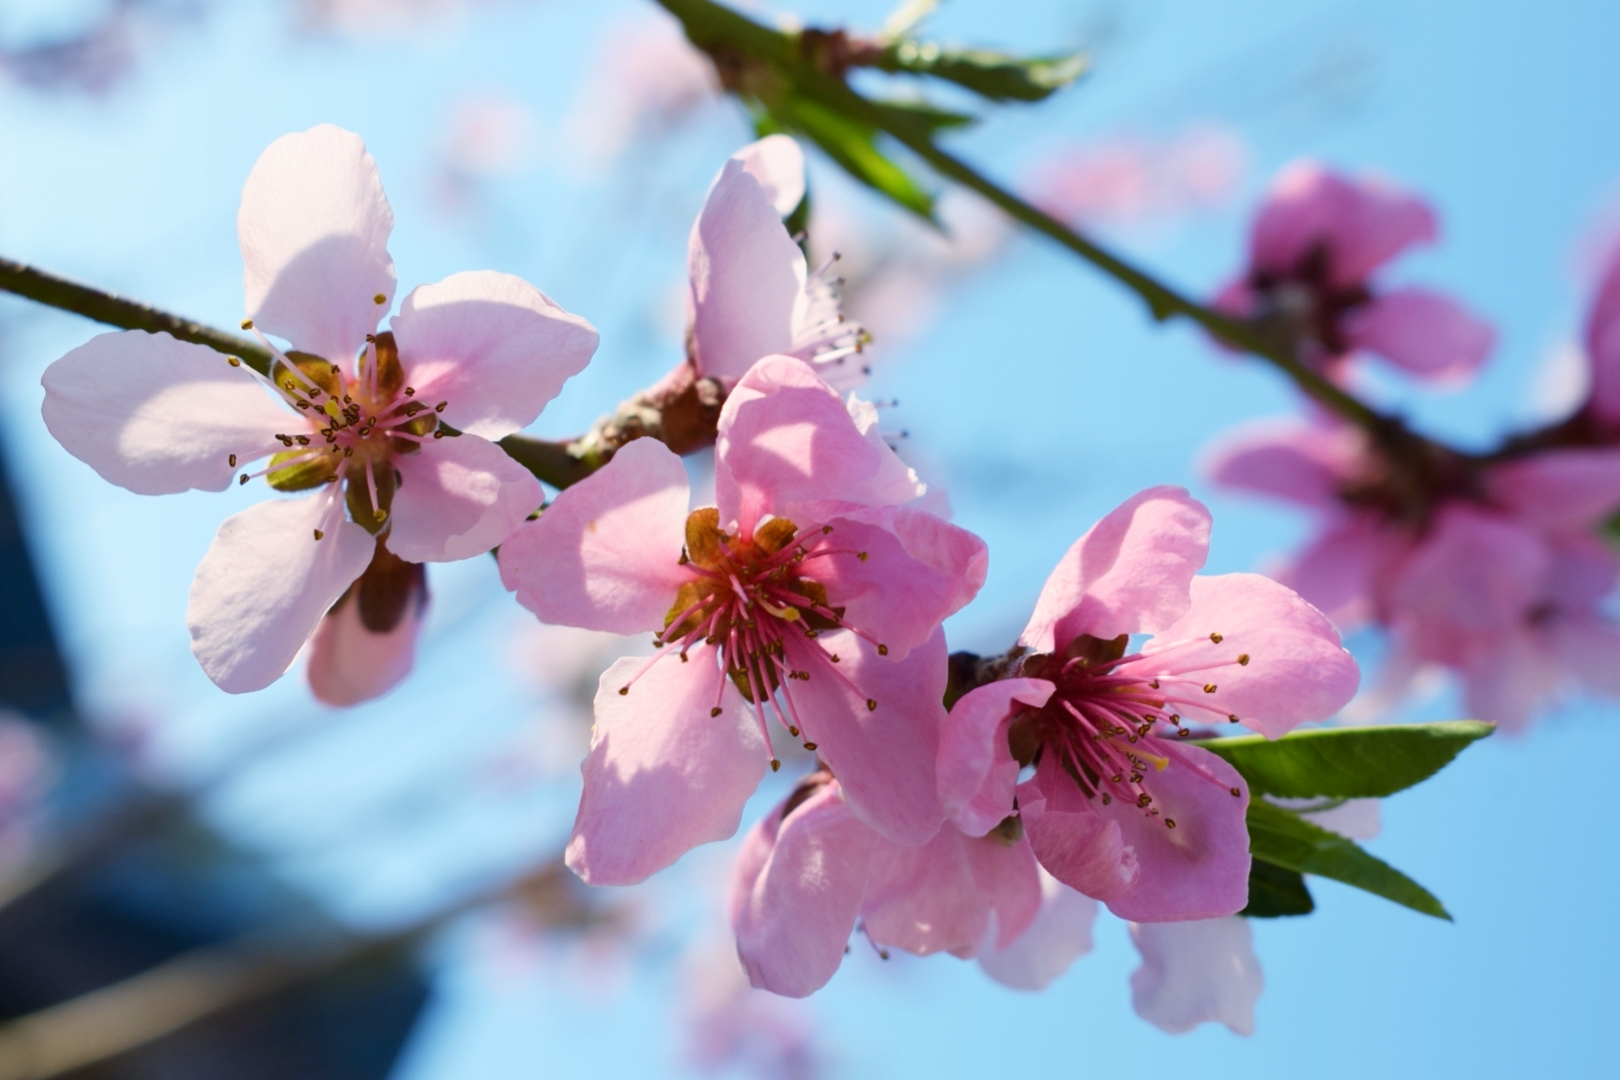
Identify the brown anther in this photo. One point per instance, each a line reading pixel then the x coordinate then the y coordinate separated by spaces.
pixel 793 731
pixel 716 711
pixel 247 324
pixel 438 434
pixel 623 690
pixel 825 529
pixel 1143 799
pixel 1237 793
pixel 1154 684
pixel 810 746
pixel 835 658
pixel 1243 659
pixel 861 555
pixel 243 480
pixel 319 535
pixel 233 361
pixel 1184 732
pixel 379 299
pixel 775 765
pixel 233 461
pixel 684 659
pixel 440 406
pixel 1232 718
pixel 1217 638
pixel 1107 799
pixel 871 704
pixel 410 391
pixel 1169 823
pixel 1209 688
pixel 303 440
pixel 883 650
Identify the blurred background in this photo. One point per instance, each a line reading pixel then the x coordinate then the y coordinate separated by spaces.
pixel 144 814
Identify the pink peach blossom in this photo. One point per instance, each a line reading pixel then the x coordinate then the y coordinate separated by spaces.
pixel 1316 244
pixel 1116 807
pixel 475 357
pixel 1196 972
pixel 811 593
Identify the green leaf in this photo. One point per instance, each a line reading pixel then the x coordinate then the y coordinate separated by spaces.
pixel 993 75
pixel 1276 891
pixel 853 145
pixel 1347 763
pixel 1287 840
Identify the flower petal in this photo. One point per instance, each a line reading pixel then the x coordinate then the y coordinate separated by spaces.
pixel 1075 843
pixel 795 918
pixel 1278 662
pixel 459 498
pixel 314 228
pixel 957 554
pixel 1340 571
pixel 349 664
pixel 1425 332
pixel 264 584
pixel 883 755
pixel 1303 463
pixel 786 438
pixel 777 162
pixel 942 896
pixel 977 773
pixel 747 275
pixel 1129 573
pixel 1200 868
pixel 158 416
pixel 1561 491
pixel 606 554
pixel 663 774
pixel 494 347
pixel 1603 341
pixel 1363 222
pixel 1059 935
pixel 1197 972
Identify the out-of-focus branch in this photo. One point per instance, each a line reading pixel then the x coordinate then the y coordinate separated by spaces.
pixel 125 1016
pixel 59 292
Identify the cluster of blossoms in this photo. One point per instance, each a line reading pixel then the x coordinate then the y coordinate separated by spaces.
pixel 1490 565
pixel 801 605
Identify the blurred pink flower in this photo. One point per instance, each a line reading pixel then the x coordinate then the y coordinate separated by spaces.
pixel 1317 241
pixel 1134 180
pixel 1117 808
pixel 811 592
pixel 1494 572
pixel 730 1025
pixel 1196 973
pixel 25 774
pixel 483 351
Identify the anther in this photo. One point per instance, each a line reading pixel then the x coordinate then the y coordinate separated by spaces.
pixel 1169 823
pixel 623 690
pixel 716 711
pixel 1209 688
pixel 243 480
pixel 1243 659
pixel 1217 638
pixel 233 461
pixel 810 746
pixel 1154 684
pixel 1143 799
pixel 871 704
pixel 233 361
pixel 440 406
pixel 1232 718
pixel 861 555
pixel 410 391
pixel 247 324
pixel 319 535
pixel 883 650
pixel 438 434
pixel 793 731
pixel 835 658
pixel 379 299
pixel 775 765
pixel 826 529
pixel 1236 793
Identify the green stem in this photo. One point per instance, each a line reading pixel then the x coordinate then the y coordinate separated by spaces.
pixel 57 292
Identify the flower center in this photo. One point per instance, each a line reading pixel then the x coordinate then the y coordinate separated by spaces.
pixel 1109 719
pixel 751 598
pixel 1306 298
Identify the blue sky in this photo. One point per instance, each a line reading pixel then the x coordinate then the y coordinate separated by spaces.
pixel 1040 396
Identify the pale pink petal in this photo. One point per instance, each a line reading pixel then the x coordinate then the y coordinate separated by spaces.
pixel 785 438
pixel 1592 650
pixel 959 555
pixel 1129 573
pixel 942 896
pixel 977 773
pixel 1059 935
pixel 264 584
pixel 1508 679
pixel 349 664
pixel 1603 342
pixel 1427 333
pixel 1200 868
pixel 663 774
pixel 157 416
pixel 1073 842
pixel 883 755
pixel 1195 973
pixel 1303 463
pixel 747 275
pixel 1363 223
pixel 1561 491
pixel 458 498
pixel 314 228
pixel 795 921
pixel 494 347
pixel 778 164
pixel 1278 663
pixel 1338 572
pixel 606 554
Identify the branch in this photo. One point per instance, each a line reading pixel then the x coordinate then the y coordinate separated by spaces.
pixel 57 292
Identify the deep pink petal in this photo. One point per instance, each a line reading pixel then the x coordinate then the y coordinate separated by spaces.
pixel 1059 935
pixel 785 438
pixel 606 554
pixel 1278 663
pixel 883 756
pixel 1363 222
pixel 977 773
pixel 1427 333
pixel 1561 491
pixel 494 347
pixel 794 924
pixel 1301 462
pixel 1197 972
pixel 349 664
pixel 314 228
pixel 1603 341
pixel 458 498
pixel 747 275
pixel 266 581
pixel 942 896
pixel 778 164
pixel 960 556
pixel 663 774
pixel 1200 868
pixel 1075 844
pixel 157 416
pixel 1129 573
